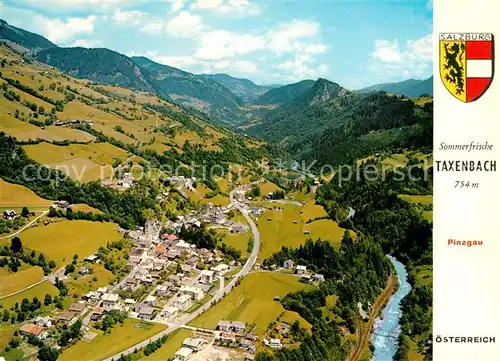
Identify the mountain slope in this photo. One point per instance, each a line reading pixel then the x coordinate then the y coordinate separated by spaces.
pixel 101 65
pixel 189 89
pixel 411 88
pixel 284 94
pixel 331 125
pixel 23 38
pixel 246 89
pixel 301 116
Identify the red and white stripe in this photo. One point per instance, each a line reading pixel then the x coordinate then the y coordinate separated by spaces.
pixel 479 67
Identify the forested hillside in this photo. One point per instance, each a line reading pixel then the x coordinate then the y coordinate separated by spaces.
pixel 334 126
pixel 190 89
pixel 357 272
pixel 246 89
pixel 284 94
pixel 410 88
pixel 22 37
pixel 400 229
pixel 101 65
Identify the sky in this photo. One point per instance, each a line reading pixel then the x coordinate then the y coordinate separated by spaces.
pixel 354 43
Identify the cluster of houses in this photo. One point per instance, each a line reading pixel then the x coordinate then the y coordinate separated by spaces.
pixel 72 122
pixel 189 347
pixel 214 216
pixel 302 271
pixel 40 325
pixel 170 295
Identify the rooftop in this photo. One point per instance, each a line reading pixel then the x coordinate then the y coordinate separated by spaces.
pixel 77 307
pixel 184 352
pixel 32 329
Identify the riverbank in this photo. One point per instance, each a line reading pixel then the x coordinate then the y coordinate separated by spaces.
pixel 387 328
pixel 365 328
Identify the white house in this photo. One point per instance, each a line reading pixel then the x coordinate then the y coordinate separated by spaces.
pixel 162 289
pixel 9 214
pixel 150 300
pixel 110 301
pixel 193 343
pixel 220 269
pixel 169 312
pixel 43 321
pixel 183 354
pixel 301 269
pixel 275 343
pixel 238 326
pixel 206 276
pixel 195 293
pixel 319 277
pixel 231 326
pixel 93 258
pixel 183 302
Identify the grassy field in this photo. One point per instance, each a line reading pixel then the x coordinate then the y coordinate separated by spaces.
pixel 59 241
pixel 223 184
pixel 426 199
pixel 326 229
pixel 290 317
pixel 85 284
pixel 252 301
pixel 302 196
pixel 277 229
pixel 218 200
pixel 287 227
pixel 267 187
pixel 103 346
pixel 39 291
pixel 6 333
pixel 25 131
pixel 15 281
pixel 83 162
pixel 174 342
pixel 238 241
pixel 311 210
pixel 396 160
pixel 428 215
pixel 70 134
pixel 84 208
pixel 423 275
pixel 17 196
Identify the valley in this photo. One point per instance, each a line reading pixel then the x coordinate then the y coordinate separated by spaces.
pixel 149 212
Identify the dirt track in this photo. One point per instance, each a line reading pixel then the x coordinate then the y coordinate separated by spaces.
pixel 364 331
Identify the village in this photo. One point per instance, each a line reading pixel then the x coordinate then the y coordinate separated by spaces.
pixel 169 280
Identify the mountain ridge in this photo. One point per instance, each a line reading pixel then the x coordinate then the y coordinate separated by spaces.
pixel 246 89
pixel 24 38
pixel 284 94
pixel 410 87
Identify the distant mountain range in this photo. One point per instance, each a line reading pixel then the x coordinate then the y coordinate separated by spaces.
pixel 101 65
pixel 328 124
pixel 310 119
pixel 284 94
pixel 246 89
pixel 411 88
pixel 187 88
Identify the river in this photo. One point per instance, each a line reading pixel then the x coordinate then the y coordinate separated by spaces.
pixel 386 329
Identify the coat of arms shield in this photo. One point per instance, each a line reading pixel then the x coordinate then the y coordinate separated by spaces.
pixel 466 64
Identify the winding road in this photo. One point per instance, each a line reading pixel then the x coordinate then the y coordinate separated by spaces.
pixel 229 286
